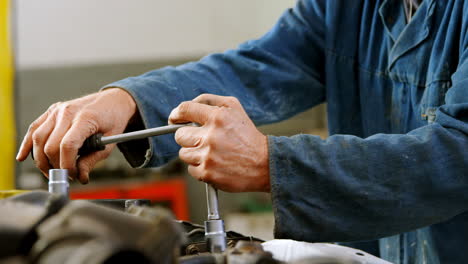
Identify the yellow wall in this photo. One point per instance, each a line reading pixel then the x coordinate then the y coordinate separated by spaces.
pixel 7 122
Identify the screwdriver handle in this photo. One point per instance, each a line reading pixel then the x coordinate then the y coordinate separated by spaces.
pixel 92 144
pixel 97 142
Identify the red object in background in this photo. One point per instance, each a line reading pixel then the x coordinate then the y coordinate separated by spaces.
pixel 173 191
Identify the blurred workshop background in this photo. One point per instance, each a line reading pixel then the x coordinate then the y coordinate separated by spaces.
pixel 58 50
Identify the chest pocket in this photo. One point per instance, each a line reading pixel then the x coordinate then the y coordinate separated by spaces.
pixel 433 96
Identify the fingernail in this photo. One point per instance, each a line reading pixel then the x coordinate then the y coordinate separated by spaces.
pixel 83 178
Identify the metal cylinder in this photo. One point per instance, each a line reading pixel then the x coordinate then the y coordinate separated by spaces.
pixel 215 236
pixel 212 202
pixel 58 182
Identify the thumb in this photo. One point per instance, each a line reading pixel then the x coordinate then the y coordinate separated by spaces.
pixel 86 163
pixel 189 111
pixel 218 100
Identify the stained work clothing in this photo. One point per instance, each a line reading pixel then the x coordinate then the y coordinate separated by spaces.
pixel 397 103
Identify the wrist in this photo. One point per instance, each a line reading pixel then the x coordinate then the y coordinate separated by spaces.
pixel 124 100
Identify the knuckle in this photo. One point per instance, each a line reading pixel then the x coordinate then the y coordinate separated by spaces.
pixel 68 145
pixel 50 150
pixel 219 116
pixel 34 125
pixel 92 126
pixel 53 106
pixel 37 138
pixel 89 120
pixel 184 108
pixel 205 97
pixel 182 153
pixel 179 135
pixel 232 100
pixel 66 109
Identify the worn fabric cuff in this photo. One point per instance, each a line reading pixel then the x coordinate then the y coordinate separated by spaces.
pixel 284 183
pixel 141 153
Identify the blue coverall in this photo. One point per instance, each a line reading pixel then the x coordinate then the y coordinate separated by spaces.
pixel 396 163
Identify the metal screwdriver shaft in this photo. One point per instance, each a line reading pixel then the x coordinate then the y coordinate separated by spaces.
pixel 157 131
pixel 97 142
pixel 214 227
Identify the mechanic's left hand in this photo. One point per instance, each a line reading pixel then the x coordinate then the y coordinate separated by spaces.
pixel 227 150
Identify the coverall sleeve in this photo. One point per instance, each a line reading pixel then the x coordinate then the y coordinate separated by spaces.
pixel 348 188
pixel 272 78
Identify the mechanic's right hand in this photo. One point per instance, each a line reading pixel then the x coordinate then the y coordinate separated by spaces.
pixel 56 136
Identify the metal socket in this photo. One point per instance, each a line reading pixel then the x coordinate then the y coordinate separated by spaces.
pixel 215 236
pixel 58 182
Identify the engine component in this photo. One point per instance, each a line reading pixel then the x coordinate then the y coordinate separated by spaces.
pixel 21 215
pixel 121 204
pixel 40 227
pixel 245 252
pixel 196 243
pixel 83 232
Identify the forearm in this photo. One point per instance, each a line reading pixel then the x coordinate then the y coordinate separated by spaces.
pixel 348 188
pixel 272 78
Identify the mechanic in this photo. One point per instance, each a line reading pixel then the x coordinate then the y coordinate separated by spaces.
pixel 394 75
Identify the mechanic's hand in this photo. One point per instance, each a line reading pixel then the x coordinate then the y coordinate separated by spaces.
pixel 227 150
pixel 57 135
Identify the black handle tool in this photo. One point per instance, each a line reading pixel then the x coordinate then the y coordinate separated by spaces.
pixel 97 142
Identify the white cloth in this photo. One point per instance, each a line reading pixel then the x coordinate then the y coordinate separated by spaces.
pixel 297 251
